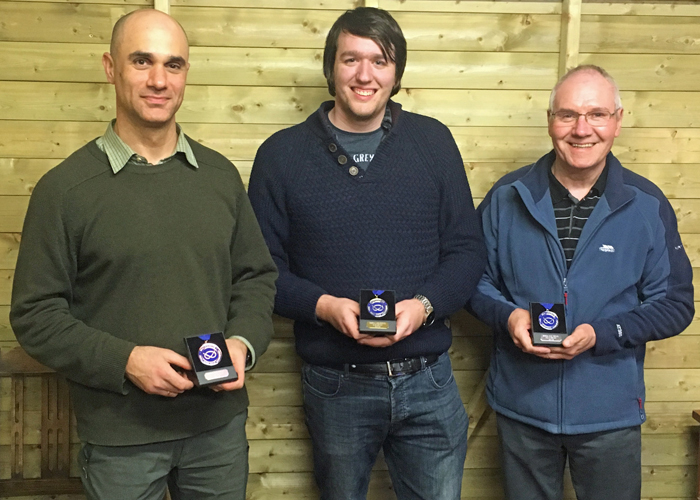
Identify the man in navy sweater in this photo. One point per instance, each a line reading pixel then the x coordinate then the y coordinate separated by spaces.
pixel 364 195
pixel 577 228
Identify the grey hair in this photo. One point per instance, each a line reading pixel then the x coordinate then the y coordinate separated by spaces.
pixel 592 68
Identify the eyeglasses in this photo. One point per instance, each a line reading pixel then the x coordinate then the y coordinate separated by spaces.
pixel 597 118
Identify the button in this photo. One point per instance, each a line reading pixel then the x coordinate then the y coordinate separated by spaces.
pixel 342 159
pixel 354 170
pixel 332 148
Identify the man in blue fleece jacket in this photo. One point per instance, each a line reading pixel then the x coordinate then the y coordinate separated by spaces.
pixel 364 195
pixel 579 229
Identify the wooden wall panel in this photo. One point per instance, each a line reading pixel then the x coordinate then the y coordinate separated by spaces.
pixel 470 7
pixel 58 22
pixel 482 67
pixel 307 29
pixel 653 72
pixel 619 34
pixel 272 4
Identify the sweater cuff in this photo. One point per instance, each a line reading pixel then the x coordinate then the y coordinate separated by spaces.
pixel 250 365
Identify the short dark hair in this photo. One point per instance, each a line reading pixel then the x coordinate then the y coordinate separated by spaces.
pixel 378 26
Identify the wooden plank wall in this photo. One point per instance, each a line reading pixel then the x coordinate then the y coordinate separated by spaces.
pixel 482 67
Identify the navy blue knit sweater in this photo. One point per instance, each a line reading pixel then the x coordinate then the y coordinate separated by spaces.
pixel 407 224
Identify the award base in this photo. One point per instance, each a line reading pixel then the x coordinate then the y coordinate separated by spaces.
pixel 210 359
pixel 377 312
pixel 548 324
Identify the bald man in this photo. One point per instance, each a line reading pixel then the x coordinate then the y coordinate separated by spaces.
pixel 139 239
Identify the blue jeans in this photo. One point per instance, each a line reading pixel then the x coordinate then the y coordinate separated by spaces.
pixel 418 420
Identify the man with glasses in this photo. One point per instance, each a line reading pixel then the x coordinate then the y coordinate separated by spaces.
pixel 592 250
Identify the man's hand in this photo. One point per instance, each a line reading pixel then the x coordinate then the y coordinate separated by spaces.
pixel 238 351
pixel 519 325
pixel 151 370
pixel 410 315
pixel 582 339
pixel 342 313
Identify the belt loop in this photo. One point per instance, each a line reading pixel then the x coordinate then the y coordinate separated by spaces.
pixel 388 367
pixel 423 362
pixel 346 368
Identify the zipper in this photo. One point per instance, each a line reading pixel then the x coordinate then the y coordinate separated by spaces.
pixel 641 409
pixel 562 368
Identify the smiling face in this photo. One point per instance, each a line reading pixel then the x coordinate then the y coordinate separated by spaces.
pixel 364 79
pixel 581 148
pixel 149 70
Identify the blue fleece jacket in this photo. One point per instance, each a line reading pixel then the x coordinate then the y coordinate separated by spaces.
pixel 630 279
pixel 408 224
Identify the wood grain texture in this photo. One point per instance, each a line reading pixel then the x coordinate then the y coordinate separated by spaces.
pixel 308 29
pixel 570 35
pixel 59 22
pixel 640 34
pixel 652 72
pixel 472 6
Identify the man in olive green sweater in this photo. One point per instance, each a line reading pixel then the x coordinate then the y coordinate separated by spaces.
pixel 139 239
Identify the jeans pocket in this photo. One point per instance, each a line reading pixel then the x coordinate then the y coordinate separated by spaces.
pixel 321 381
pixel 441 372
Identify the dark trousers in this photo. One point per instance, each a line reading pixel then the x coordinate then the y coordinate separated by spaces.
pixel 603 465
pixel 207 466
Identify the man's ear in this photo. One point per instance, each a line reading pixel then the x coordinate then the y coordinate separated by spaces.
pixel 108 64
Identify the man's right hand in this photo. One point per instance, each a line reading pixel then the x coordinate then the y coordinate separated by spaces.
pixel 151 370
pixel 519 325
pixel 342 313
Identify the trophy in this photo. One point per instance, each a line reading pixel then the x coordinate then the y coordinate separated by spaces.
pixel 210 359
pixel 548 323
pixel 378 312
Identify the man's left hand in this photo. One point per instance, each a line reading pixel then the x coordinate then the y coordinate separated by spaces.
pixel 582 339
pixel 238 352
pixel 410 315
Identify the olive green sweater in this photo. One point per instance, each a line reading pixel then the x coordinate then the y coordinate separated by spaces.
pixel 146 256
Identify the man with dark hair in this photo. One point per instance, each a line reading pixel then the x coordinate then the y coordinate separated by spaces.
pixel 577 233
pixel 139 239
pixel 365 195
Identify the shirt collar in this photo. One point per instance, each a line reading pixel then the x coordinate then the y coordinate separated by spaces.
pixel 119 153
pixel 387 121
pixel 559 192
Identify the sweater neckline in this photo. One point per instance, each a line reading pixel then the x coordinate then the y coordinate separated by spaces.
pixel 341 159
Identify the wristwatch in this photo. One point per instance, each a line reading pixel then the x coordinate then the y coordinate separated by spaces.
pixel 429 311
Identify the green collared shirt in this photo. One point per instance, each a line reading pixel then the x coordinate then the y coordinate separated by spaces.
pixel 119 153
